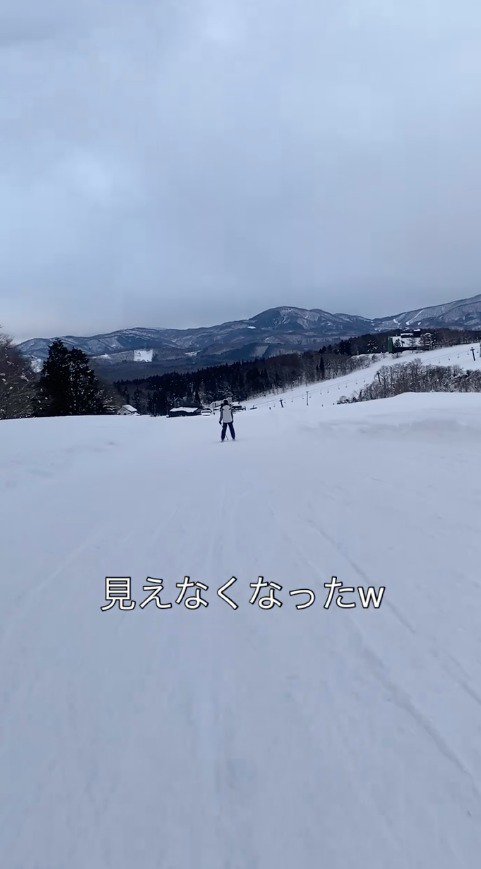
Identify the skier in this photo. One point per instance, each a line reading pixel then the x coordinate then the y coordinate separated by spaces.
pixel 226 419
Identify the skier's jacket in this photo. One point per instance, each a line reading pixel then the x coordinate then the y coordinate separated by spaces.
pixel 226 414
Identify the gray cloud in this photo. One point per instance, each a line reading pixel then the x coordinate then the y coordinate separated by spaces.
pixel 181 163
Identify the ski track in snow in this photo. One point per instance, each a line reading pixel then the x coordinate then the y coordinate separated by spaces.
pixel 232 740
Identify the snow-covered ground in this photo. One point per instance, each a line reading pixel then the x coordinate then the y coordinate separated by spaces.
pixel 328 392
pixel 246 739
pixel 467 356
pixel 143 355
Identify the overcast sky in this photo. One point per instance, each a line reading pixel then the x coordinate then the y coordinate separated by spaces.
pixel 184 162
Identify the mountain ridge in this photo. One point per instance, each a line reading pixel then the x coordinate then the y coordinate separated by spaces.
pixel 138 351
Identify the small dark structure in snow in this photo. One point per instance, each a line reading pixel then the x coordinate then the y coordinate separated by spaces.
pixel 185 411
pixel 128 410
pixel 415 340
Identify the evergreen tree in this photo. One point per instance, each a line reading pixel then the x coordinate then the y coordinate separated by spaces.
pixel 68 386
pixel 54 382
pixel 322 368
pixel 87 394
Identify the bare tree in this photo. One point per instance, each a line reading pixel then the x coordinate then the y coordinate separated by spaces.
pixel 416 377
pixel 16 382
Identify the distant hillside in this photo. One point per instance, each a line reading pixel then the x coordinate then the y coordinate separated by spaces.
pixel 140 352
pixel 461 314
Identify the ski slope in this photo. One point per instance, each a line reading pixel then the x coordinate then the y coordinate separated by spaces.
pixel 328 392
pixel 248 738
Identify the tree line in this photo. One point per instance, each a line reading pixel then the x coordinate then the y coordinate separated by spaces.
pixel 240 380
pixel 377 342
pixel 244 380
pixel 66 385
pixel 413 376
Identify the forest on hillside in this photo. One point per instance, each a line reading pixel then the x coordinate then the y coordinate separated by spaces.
pixel 413 376
pixel 243 380
pixel 239 380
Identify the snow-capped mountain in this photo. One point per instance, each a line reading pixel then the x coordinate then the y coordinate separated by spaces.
pixel 137 352
pixel 461 314
pixel 278 330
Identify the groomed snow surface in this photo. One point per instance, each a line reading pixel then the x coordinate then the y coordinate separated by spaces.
pixel 247 739
pixel 328 392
